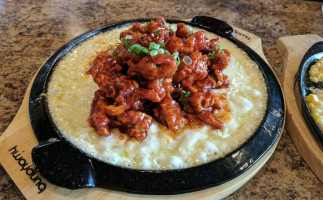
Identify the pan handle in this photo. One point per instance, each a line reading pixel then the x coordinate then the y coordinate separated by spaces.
pixel 214 23
pixel 61 164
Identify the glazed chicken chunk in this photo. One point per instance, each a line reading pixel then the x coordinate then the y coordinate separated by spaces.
pixel 156 73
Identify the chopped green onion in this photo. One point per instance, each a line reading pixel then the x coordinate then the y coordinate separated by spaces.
pixel 126 42
pixel 162 44
pixel 147 28
pixel 120 54
pixel 161 51
pixel 170 28
pixel 167 52
pixel 176 57
pixel 153 52
pixel 211 55
pixel 189 34
pixel 219 47
pixel 138 49
pixel 161 82
pixel 114 53
pixel 184 98
pixel 157 32
pixel 187 94
pixel 153 46
pixel 191 31
pixel 181 99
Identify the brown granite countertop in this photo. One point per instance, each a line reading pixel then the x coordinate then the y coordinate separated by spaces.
pixel 30 31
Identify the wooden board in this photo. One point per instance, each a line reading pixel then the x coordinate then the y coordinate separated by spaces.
pixel 292 49
pixel 20 138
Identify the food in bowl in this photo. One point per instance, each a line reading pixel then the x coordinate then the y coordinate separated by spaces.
pixel 315 103
pixel 315 99
pixel 158 73
pixel 161 145
pixel 316 71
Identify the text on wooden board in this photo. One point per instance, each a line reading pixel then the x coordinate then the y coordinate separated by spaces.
pixel 242 35
pixel 29 170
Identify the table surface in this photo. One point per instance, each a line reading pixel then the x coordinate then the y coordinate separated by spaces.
pixel 30 31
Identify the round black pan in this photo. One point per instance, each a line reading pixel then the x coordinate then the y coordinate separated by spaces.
pixel 304 83
pixel 63 164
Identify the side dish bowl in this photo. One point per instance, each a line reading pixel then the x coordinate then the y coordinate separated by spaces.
pixel 65 165
pixel 304 84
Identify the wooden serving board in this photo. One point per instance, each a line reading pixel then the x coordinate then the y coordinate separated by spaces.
pixel 19 139
pixel 292 49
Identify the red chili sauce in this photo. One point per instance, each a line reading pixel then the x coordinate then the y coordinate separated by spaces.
pixel 159 73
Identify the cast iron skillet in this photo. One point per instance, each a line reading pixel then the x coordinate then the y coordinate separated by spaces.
pixel 63 164
pixel 304 83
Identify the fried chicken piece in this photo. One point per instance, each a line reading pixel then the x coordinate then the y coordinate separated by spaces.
pixel 169 112
pixel 154 67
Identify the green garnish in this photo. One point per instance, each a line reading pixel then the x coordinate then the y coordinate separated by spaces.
pixel 157 49
pixel 114 53
pixel 153 52
pixel 184 98
pixel 191 31
pixel 126 42
pixel 170 28
pixel 162 44
pixel 157 32
pixel 211 55
pixel 147 28
pixel 187 94
pixel 161 51
pixel 219 47
pixel 120 54
pixel 181 99
pixel 178 61
pixel 138 49
pixel 176 57
pixel 161 82
pixel 153 46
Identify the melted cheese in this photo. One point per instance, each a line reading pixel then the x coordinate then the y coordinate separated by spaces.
pixel 70 94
